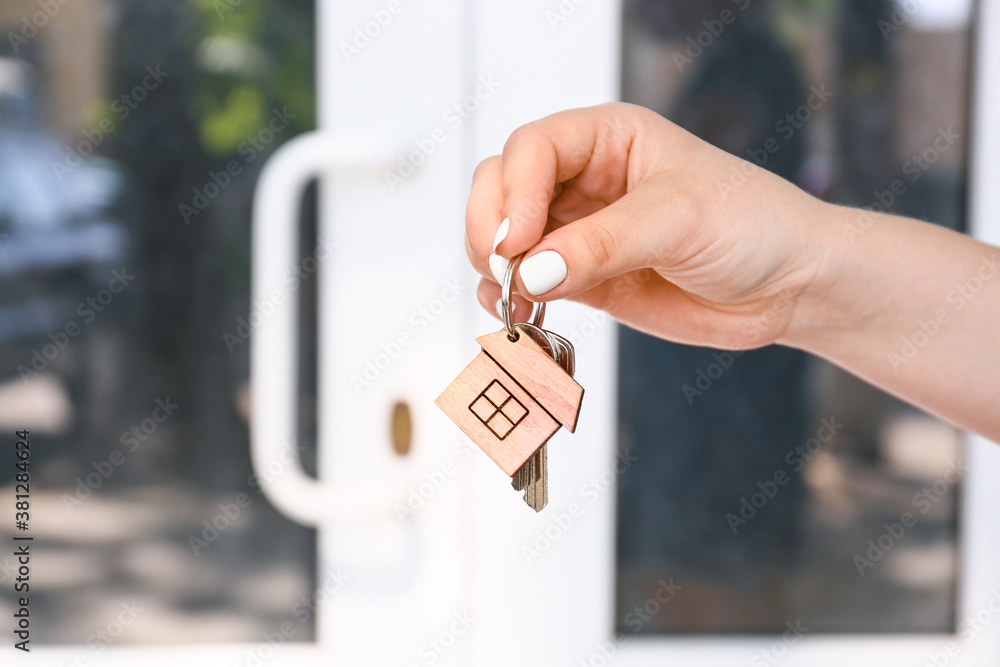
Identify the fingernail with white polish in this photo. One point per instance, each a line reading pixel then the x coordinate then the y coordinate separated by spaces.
pixel 498 265
pixel 542 272
pixel 500 308
pixel 501 233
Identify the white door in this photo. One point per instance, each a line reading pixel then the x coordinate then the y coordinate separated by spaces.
pixel 410 98
pixel 496 584
pixel 429 557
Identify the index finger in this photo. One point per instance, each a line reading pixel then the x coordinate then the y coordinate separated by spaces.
pixel 543 153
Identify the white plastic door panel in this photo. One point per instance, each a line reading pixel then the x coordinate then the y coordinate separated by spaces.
pixel 398 319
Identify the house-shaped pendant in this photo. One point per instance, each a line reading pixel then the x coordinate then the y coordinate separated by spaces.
pixel 511 399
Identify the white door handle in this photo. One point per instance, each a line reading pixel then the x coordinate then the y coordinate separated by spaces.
pixel 273 357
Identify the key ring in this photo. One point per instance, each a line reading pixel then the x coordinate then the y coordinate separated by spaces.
pixel 506 306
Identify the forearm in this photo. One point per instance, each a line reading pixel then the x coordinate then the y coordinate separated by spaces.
pixel 911 307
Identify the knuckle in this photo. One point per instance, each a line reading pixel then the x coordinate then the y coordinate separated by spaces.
pixel 521 135
pixel 485 167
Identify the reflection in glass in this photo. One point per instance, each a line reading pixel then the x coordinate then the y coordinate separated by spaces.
pixel 774 487
pixel 131 136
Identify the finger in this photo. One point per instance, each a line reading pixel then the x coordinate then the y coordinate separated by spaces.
pixel 560 147
pixel 622 237
pixel 481 267
pixel 648 302
pixel 483 214
pixel 489 297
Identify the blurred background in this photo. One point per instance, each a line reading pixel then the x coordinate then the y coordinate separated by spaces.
pixel 117 123
pixel 845 106
pixel 132 135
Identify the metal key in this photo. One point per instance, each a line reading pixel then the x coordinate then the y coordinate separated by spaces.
pixel 527 477
pixel 532 477
pixel 510 399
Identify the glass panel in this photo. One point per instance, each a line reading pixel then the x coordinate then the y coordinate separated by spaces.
pixel 131 135
pixel 775 488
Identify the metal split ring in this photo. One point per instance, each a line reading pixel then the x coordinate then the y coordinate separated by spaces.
pixel 507 304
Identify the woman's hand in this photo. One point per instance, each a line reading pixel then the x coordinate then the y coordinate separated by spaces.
pixel 618 208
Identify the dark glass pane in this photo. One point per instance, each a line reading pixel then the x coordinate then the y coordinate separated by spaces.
pixel 132 133
pixel 775 487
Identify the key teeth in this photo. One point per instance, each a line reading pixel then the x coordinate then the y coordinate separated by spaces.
pixel 519 480
pixel 538 506
pixel 532 476
pixel 536 488
pixel 542 478
pixel 529 491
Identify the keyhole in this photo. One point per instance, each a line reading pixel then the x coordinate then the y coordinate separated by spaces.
pixel 402 428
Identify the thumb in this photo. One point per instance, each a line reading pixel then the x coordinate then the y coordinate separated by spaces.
pixel 572 259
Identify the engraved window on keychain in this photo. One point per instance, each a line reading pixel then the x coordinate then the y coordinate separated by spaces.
pixel 516 394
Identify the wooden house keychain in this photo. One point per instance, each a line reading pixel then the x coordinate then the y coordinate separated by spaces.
pixel 516 394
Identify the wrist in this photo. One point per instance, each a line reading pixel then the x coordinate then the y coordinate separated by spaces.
pixel 835 297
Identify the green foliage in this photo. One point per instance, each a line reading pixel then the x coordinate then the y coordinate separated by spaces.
pixel 253 56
